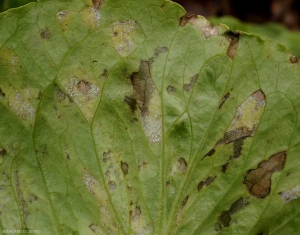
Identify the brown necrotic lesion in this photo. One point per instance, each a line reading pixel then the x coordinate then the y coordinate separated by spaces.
pixel 258 181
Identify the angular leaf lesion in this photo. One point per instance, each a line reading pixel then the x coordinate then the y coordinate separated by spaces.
pixel 258 181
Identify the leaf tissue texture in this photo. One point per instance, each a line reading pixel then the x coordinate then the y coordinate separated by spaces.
pixel 126 117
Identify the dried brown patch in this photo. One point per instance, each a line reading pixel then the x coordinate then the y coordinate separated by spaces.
pixel 258 181
pixel 234 43
pixel 186 19
pixel 237 147
pixel 131 102
pixel 189 86
pixel 259 96
pixel 84 87
pixel 226 97
pixel 143 87
pixel 125 167
pixel 45 33
pixel 182 165
pixel 97 3
pixel 294 59
pixel 206 182
pixel 225 217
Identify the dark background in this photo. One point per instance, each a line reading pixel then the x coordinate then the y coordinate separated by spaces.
pixel 285 12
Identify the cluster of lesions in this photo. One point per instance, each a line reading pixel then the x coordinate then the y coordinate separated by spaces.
pixel 243 125
pixel 145 103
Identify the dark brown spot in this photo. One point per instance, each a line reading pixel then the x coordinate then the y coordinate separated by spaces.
pixel 143 87
pixel 171 89
pixel 116 33
pixel 186 19
pixel 40 95
pixel 94 61
pixel 97 3
pixel 168 183
pixel 238 205
pixel 32 198
pixel 231 136
pixel 210 153
pixel 182 165
pixel 224 167
pixel 93 227
pixel 142 165
pixel 224 220
pixel 206 182
pixel 134 119
pixel 106 156
pixel 225 217
pixel 294 59
pixel 3 152
pixel 234 43
pixel 189 86
pixel 105 73
pixel 124 167
pixel 135 214
pixel 131 102
pixel 2 93
pixel 226 97
pixel 68 157
pixel 237 147
pixel 112 185
pixel 45 33
pixel 83 87
pixel 184 202
pixel 258 181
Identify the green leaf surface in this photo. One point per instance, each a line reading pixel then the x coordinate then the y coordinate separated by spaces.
pixel 271 31
pixel 7 4
pixel 121 117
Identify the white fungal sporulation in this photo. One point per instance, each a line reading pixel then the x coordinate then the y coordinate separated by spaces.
pixel 205 27
pixel 19 104
pixel 291 194
pixel 123 36
pixel 61 15
pixel 85 94
pixel 152 127
pixel 82 91
pixel 96 14
pixel 91 183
